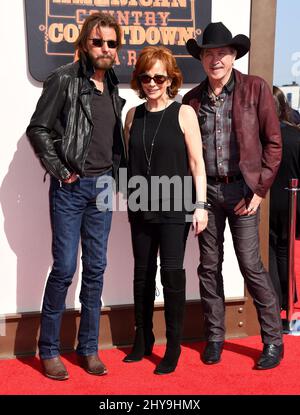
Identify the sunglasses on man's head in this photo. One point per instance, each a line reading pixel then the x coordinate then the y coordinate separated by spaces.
pixel 112 44
pixel 158 79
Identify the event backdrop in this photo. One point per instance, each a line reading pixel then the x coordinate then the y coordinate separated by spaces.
pixel 25 230
pixel 53 26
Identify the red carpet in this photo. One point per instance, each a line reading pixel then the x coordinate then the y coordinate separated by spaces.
pixel 233 376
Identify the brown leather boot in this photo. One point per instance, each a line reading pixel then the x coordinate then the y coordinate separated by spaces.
pixel 92 364
pixel 54 368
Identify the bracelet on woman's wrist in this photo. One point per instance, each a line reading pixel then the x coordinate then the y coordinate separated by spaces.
pixel 202 205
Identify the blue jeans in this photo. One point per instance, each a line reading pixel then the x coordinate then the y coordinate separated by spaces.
pixel 75 213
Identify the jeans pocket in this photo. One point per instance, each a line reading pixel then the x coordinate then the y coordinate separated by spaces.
pixel 69 187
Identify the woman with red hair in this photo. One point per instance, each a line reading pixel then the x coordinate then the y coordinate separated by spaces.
pixel 164 143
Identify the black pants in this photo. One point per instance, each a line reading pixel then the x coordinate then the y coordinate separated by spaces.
pixel 244 230
pixel 278 266
pixel 168 238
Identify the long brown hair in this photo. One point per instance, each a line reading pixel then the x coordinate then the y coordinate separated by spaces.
pixel 98 19
pixel 283 108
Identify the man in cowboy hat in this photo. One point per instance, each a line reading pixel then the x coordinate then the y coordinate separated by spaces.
pixel 242 152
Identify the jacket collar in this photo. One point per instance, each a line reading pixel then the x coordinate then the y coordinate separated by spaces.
pixel 237 76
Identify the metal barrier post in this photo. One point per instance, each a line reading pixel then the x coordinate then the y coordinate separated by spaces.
pixel 294 326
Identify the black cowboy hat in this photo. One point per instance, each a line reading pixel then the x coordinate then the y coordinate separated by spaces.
pixel 216 35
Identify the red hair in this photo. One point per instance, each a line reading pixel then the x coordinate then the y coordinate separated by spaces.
pixel 146 59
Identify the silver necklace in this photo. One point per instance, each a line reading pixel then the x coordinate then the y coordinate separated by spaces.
pixel 149 157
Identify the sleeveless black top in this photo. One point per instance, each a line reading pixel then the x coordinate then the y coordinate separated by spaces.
pixel 169 164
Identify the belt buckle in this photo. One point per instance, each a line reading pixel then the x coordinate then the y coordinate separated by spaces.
pixel 223 179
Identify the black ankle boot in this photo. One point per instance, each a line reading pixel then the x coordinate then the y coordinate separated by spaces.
pixel 173 282
pixel 271 357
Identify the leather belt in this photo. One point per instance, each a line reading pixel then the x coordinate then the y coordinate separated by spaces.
pixel 225 179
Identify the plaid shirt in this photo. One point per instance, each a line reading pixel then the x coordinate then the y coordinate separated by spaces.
pixel 220 148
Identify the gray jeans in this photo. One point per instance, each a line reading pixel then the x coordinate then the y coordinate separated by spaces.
pixel 244 230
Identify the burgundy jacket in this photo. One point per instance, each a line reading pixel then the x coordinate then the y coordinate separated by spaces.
pixel 256 126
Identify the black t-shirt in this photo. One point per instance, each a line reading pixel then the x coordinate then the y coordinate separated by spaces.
pixel 99 158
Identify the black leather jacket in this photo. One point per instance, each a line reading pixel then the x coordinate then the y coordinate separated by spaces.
pixel 61 127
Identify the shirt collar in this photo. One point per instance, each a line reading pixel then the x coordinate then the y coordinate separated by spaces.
pixel 228 87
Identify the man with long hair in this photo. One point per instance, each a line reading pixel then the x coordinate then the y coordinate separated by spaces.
pixel 76 131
